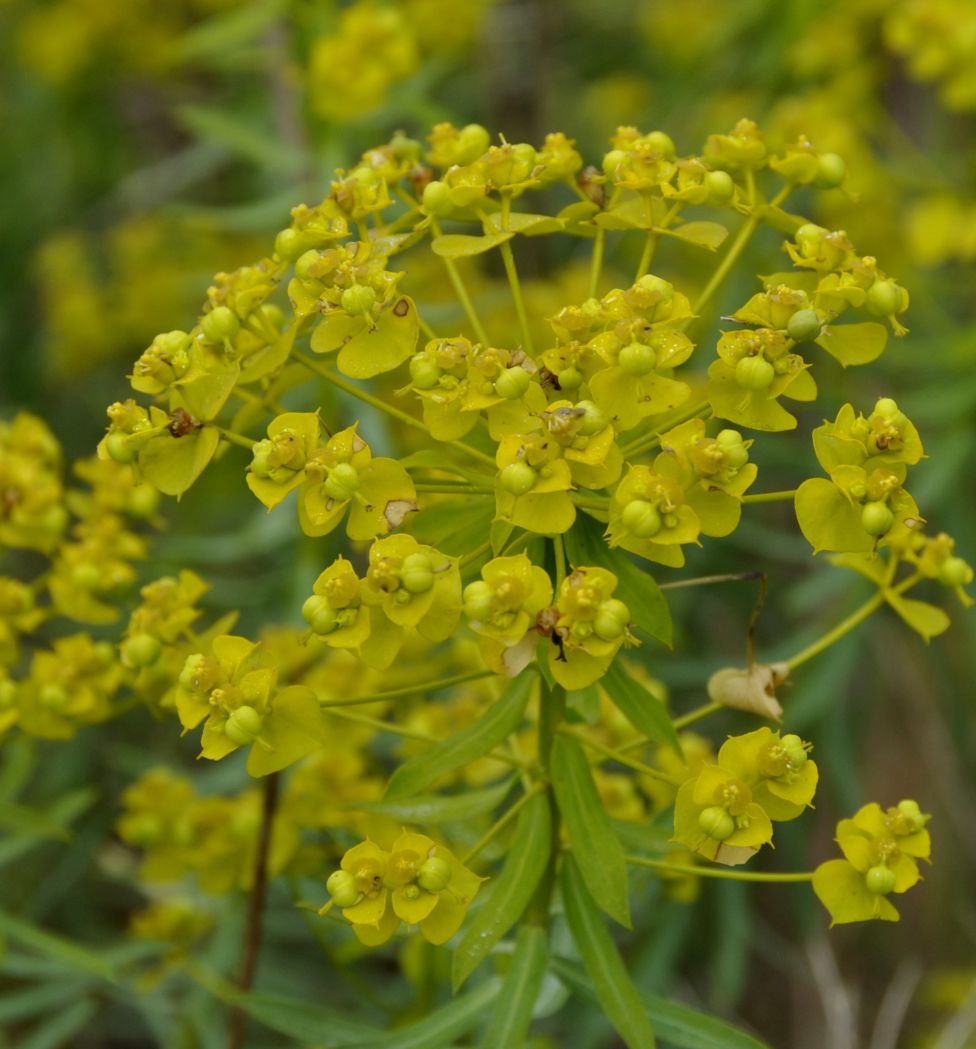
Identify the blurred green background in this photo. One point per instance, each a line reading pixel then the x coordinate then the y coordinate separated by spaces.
pixel 147 145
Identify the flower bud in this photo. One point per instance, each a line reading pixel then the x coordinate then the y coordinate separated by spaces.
pixel 720 187
pixel 754 373
pixel 637 359
pixel 342 481
pixel 319 614
pixel 662 143
pixel 912 814
pixel 437 198
pixel 290 244
pixel 831 171
pixel 594 419
pixel 880 879
pixel 570 378
pixel 358 300
pixel 243 726
pixel 479 599
pixel 192 677
pixel 887 408
pixel 517 478
pixel 512 383
pixel 716 823
pixel 884 298
pixel 261 458
pixel 612 617
pixel 424 373
pixel 612 161
pixel 416 573
pixel 804 325
pixel 734 448
pixel 876 518
pixel 118 447
pixel 472 141
pixel 140 650
pixel 434 874
pixel 219 324
pixel 954 571
pixel 641 519
pixel 341 886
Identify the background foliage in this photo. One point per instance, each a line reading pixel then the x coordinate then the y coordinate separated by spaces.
pixel 148 145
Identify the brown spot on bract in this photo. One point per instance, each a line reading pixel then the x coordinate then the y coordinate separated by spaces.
pixel 397 509
pixel 402 308
pixel 181 422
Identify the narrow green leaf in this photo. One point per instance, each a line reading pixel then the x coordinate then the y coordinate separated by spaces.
pixel 240 138
pixel 225 35
pixel 512 1018
pixel 639 706
pixel 508 894
pixel 614 989
pixel 304 1021
pixel 440 808
pixel 56 947
pixel 679 1025
pixel 39 998
pixel 636 587
pixel 461 245
pixel 500 720
pixel 443 1026
pixel 454 527
pixel 597 849
pixel 61 1028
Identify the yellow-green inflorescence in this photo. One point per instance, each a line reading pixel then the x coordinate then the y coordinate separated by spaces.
pixel 508 464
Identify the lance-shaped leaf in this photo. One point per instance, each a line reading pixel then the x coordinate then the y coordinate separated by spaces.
pixel 614 988
pixel 595 845
pixel 510 892
pixel 512 1018
pixel 461 245
pixel 497 723
pixel 640 707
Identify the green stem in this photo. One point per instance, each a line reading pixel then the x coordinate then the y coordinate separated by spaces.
pixel 382 406
pixel 616 755
pixel 769 497
pixel 236 438
pixel 502 822
pixel 462 293
pixel 847 625
pixel 702 410
pixel 735 250
pixel 695 715
pixel 596 261
pixel 715 872
pixel 511 272
pixel 409 690
pixel 475 554
pixel 408 733
pixel 446 488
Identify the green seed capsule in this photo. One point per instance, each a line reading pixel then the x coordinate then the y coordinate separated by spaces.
pixel 880 879
pixel 876 518
pixel 424 373
pixel 141 650
pixel 612 619
pixel 341 886
pixel 118 447
pixel 342 481
pixel 720 187
pixel 434 874
pixel 716 823
pixel 243 726
pixel 219 324
pixel 358 300
pixel 754 373
pixel 517 478
pixel 320 615
pixel 437 198
pixel 512 383
pixel 570 379
pixel 416 573
pixel 479 599
pixel 954 571
pixel 884 298
pixel 831 171
pixel 637 359
pixel 641 519
pixel 306 265
pixel 290 244
pixel 594 420
pixel 804 325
